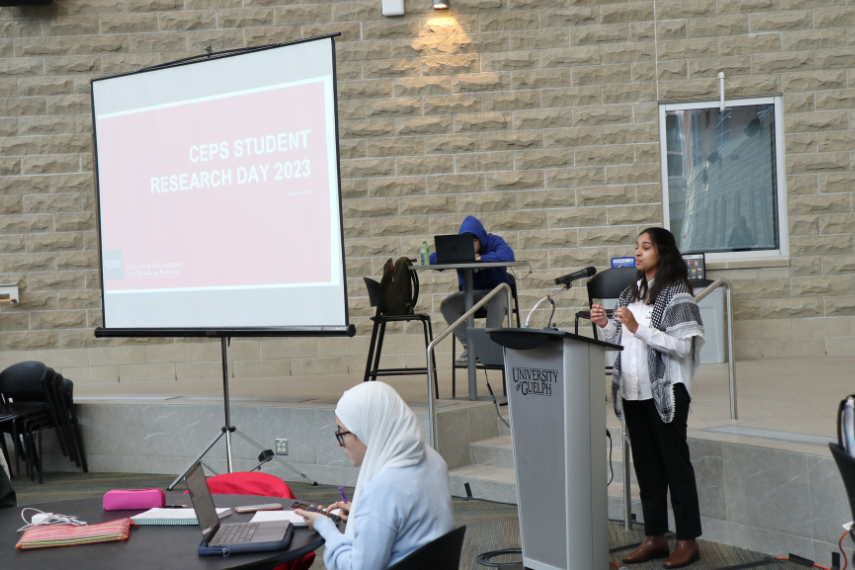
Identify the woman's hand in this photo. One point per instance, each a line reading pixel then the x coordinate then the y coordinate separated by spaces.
pixel 344 509
pixel 309 516
pixel 625 317
pixel 598 316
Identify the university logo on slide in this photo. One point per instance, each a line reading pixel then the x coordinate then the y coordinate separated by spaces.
pixel 114 266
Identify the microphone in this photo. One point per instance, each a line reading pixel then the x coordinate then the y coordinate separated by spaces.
pixel 567 279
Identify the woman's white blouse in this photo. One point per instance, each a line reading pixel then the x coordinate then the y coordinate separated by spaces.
pixel 635 376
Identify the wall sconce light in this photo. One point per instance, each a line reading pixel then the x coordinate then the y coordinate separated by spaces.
pixel 440 4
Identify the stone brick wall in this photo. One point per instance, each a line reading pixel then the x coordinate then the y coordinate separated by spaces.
pixel 538 116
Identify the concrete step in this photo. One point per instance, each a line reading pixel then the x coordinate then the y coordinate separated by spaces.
pixel 493 452
pixel 491 475
pixel 498 452
pixel 499 484
pixel 485 482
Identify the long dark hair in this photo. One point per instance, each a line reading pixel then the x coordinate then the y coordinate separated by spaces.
pixel 671 270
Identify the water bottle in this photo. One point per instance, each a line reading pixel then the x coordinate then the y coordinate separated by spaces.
pixel 425 250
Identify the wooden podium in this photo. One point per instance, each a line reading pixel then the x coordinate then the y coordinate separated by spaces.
pixel 556 393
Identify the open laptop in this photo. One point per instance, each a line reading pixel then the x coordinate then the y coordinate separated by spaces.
pixel 239 537
pixel 455 248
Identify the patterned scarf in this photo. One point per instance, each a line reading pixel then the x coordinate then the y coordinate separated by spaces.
pixel 676 314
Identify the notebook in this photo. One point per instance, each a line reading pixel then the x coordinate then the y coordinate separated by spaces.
pixel 163 517
pixel 51 536
pixel 290 516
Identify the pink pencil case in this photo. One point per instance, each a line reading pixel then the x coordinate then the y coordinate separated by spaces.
pixel 134 499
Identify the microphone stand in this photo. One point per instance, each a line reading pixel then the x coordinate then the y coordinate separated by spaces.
pixel 549 297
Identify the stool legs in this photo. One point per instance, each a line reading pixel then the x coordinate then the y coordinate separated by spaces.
pixel 375 350
pixel 379 350
pixel 371 351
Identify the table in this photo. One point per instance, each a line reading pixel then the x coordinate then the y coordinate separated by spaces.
pixel 148 547
pixel 468 270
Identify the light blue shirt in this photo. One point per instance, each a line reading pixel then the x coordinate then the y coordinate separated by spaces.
pixel 400 510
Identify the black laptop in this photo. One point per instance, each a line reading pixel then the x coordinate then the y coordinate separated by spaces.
pixel 455 248
pixel 238 537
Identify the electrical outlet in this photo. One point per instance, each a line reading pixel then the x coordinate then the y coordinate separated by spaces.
pixel 281 446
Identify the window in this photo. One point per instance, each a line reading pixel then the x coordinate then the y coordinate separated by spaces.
pixel 723 172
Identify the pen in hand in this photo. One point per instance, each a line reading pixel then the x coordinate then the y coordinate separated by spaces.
pixel 343 495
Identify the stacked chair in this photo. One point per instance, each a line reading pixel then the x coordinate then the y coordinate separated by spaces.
pixel 34 397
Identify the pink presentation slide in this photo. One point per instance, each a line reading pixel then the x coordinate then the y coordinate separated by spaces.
pixel 228 192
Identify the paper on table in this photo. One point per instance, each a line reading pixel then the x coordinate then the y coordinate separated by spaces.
pixel 283 515
pixel 173 516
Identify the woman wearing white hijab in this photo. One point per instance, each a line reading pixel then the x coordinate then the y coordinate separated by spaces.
pixel 402 500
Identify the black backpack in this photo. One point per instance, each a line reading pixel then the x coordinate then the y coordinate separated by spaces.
pixel 400 288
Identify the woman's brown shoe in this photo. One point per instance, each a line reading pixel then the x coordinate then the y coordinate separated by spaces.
pixel 652 547
pixel 685 552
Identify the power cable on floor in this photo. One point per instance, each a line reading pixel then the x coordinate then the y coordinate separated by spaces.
pixel 612 478
pixel 795 559
pixel 484 558
pixel 494 399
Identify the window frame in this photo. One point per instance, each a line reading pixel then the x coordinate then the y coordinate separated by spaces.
pixel 783 250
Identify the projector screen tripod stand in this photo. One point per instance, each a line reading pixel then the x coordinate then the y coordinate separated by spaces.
pixel 228 429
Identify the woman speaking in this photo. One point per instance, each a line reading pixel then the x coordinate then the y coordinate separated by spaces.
pixel 659 326
pixel 402 500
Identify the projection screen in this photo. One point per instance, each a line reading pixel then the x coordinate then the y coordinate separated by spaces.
pixel 219 205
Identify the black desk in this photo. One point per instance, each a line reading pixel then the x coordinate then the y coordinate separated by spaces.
pixel 148 547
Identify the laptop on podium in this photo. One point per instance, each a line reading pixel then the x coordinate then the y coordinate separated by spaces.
pixel 238 537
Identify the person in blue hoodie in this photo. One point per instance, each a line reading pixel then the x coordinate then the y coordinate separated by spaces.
pixel 488 247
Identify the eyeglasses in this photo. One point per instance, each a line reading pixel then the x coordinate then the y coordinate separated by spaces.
pixel 339 435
